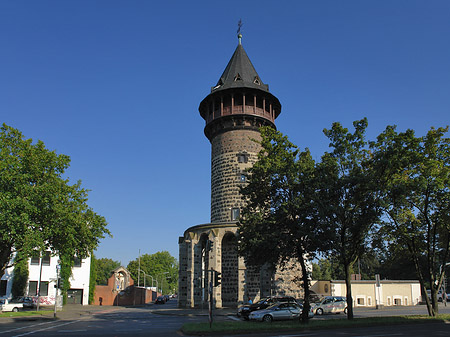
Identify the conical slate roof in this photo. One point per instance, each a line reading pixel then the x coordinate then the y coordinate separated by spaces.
pixel 240 73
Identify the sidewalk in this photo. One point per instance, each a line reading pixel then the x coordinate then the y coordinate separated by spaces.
pixel 194 312
pixel 71 312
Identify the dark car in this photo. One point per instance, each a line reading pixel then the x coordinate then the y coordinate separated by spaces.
pixel 27 302
pixel 160 300
pixel 245 310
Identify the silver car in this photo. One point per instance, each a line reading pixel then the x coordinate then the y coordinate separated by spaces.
pixel 278 311
pixel 330 304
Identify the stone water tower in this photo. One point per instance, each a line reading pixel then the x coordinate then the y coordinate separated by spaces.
pixel 238 105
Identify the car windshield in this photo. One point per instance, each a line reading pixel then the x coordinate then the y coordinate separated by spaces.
pixel 273 306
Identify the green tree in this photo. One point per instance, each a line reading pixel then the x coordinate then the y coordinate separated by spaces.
pixel 92 278
pixel 416 180
pixel 20 278
pixel 161 266
pixel 103 270
pixel 39 209
pixel 349 202
pixel 278 223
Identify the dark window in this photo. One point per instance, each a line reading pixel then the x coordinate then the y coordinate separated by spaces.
pixel 242 158
pixel 46 258
pixel 3 284
pixel 44 288
pixel 32 288
pixel 35 259
pixel 76 262
pixel 234 214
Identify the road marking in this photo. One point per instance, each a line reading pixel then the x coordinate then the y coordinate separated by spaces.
pixel 234 318
pixel 50 327
pixel 382 335
pixel 25 327
pixel 303 334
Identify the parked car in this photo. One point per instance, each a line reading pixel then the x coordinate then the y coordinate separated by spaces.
pixel 27 302
pixel 160 300
pixel 245 310
pixel 330 304
pixel 278 311
pixel 439 295
pixel 6 305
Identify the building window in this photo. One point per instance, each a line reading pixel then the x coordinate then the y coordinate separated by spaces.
pixel 46 258
pixel 3 284
pixel 242 158
pixel 43 289
pixel 32 288
pixel 35 259
pixel 397 301
pixel 76 262
pixel 360 301
pixel 234 214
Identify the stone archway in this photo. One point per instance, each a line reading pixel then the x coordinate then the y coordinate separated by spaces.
pixel 230 270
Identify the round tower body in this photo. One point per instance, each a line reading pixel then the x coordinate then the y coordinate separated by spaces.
pixel 233 118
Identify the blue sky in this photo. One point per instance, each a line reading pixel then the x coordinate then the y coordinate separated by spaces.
pixel 116 86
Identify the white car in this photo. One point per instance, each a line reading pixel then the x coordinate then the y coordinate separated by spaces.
pixel 330 304
pixel 278 311
pixel 6 305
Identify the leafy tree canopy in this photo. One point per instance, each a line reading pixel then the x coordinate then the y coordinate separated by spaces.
pixel 39 209
pixel 415 174
pixel 162 269
pixel 103 270
pixel 349 202
pixel 279 222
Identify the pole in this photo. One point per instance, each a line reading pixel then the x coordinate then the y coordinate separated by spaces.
pixel 56 288
pixel 39 284
pixel 139 270
pixel 210 307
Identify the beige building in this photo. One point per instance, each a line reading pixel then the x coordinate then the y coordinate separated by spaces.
pixel 368 294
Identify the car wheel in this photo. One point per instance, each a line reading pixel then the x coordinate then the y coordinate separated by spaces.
pixel 319 311
pixel 267 318
pixel 15 310
pixel 345 311
pixel 246 318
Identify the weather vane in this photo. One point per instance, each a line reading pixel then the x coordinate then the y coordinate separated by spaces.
pixel 239 30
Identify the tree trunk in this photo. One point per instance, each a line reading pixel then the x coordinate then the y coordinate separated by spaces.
pixel 305 279
pixel 348 284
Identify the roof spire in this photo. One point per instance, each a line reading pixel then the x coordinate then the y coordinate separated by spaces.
pixel 239 31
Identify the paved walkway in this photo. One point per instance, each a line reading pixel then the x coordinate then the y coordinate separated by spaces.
pixel 71 312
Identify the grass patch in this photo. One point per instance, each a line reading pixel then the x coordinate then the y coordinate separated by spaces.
pixel 248 327
pixel 25 313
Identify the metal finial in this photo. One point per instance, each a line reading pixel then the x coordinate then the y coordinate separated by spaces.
pixel 239 31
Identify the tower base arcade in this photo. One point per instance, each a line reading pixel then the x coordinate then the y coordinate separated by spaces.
pixel 213 246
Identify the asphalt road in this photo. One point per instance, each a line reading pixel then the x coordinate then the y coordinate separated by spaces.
pixel 117 322
pixel 150 321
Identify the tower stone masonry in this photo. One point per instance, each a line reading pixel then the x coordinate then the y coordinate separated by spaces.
pixel 237 106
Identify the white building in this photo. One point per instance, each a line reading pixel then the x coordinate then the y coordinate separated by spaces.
pixel 79 281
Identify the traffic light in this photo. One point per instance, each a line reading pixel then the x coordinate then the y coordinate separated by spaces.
pixel 217 278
